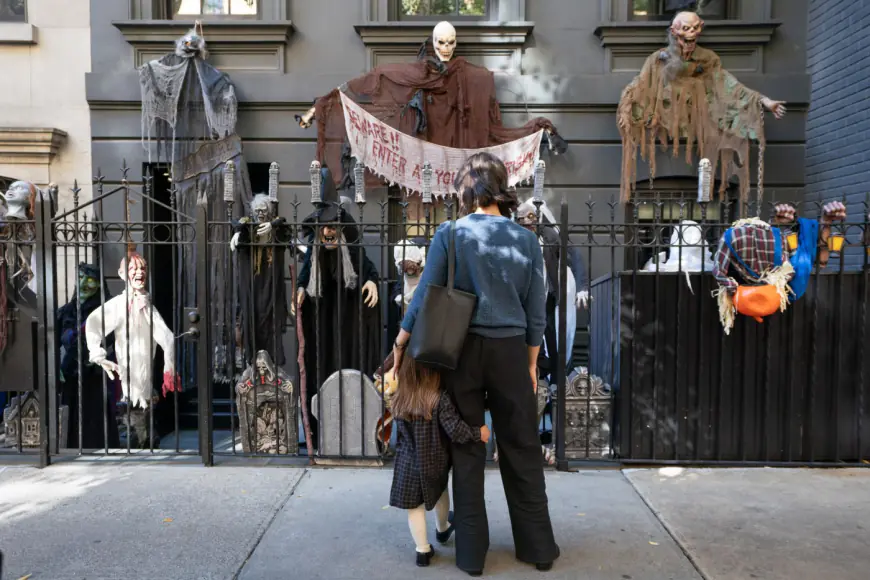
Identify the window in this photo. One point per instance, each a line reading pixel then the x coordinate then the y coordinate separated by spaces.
pixel 667 9
pixel 182 8
pixel 411 9
pixel 13 11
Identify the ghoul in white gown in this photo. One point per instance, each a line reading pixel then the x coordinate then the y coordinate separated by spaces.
pixel 136 380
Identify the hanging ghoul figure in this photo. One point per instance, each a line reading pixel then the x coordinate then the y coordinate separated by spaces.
pixel 131 314
pixel 262 293
pixel 440 98
pixel 683 92
pixel 71 322
pixel 337 283
pixel 578 284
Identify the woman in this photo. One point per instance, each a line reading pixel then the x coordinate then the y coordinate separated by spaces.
pixel 501 263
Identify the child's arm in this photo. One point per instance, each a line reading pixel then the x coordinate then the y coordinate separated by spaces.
pixel 458 430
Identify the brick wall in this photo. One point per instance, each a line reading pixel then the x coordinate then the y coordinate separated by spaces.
pixel 838 124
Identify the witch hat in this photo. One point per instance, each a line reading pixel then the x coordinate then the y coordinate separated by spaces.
pixel 329 210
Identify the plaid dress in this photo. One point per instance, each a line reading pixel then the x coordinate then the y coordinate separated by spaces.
pixel 423 455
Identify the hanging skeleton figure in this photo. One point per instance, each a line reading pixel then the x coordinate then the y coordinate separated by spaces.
pixel 577 282
pixel 260 241
pixel 190 109
pixel 138 329
pixel 758 273
pixel 683 92
pixel 440 98
pixel 337 285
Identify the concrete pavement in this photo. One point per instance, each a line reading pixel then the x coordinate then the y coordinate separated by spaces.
pixel 129 521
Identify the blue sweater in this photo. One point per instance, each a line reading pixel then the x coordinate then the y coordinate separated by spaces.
pixel 502 264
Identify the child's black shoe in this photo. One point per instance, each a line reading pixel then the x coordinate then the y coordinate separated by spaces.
pixel 442 537
pixel 424 559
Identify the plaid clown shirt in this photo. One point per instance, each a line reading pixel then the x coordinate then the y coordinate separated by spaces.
pixel 755 246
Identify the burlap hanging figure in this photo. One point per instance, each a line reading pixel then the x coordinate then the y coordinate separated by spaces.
pixel 683 92
pixel 439 98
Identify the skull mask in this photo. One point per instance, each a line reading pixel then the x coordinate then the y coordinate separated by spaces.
pixel 687 28
pixel 265 367
pixel 444 41
pixel 19 200
pixel 261 208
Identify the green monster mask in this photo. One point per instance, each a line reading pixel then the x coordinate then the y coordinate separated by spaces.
pixel 88 284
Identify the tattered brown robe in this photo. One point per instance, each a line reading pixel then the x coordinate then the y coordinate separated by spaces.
pixel 704 104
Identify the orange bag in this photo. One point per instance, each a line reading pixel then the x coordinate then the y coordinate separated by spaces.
pixel 757 301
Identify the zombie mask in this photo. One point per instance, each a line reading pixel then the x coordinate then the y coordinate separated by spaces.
pixel 265 367
pixel 136 273
pixel 261 208
pixel 444 41
pixel 411 269
pixel 410 258
pixel 687 28
pixel 329 237
pixel 89 283
pixel 19 199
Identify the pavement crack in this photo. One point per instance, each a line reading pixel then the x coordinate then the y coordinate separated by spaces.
pixel 265 528
pixel 667 529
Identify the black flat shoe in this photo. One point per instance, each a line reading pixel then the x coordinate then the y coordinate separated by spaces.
pixel 544 567
pixel 442 537
pixel 424 559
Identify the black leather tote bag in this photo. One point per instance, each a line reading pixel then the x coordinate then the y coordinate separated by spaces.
pixel 442 323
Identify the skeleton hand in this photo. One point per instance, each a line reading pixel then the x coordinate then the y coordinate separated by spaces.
pixel 784 214
pixel 833 212
pixel 583 299
pixel 234 241
pixel 111 369
pixel 370 294
pixel 306 119
pixel 264 229
pixel 776 107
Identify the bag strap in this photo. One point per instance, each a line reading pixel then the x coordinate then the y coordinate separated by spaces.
pixel 451 256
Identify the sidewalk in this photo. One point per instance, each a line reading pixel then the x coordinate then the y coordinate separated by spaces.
pixel 125 521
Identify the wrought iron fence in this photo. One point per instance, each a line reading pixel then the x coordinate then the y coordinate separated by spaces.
pixel 650 378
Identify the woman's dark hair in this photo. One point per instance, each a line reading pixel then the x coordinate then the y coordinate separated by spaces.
pixel 482 182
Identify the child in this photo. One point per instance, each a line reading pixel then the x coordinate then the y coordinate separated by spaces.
pixel 422 454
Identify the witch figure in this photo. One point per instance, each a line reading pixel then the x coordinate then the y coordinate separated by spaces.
pixel 337 294
pixel 71 318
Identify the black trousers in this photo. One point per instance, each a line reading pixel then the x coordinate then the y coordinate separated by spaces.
pixel 496 369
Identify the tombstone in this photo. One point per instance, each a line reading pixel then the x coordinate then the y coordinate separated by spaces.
pixel 23 412
pixel 588 405
pixel 268 408
pixel 350 415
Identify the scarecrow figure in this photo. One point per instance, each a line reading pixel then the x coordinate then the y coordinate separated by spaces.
pixel 336 287
pixel 757 254
pixel 683 92
pixel 440 98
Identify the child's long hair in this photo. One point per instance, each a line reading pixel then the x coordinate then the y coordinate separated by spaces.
pixel 418 392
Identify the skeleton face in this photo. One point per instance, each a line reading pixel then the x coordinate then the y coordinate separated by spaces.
pixel 329 237
pixel 444 40
pixel 137 273
pixel 264 366
pixel 687 28
pixel 528 221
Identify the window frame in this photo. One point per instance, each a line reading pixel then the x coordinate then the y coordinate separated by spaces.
pixel 731 13
pixel 26 16
pixel 170 14
pixel 397 16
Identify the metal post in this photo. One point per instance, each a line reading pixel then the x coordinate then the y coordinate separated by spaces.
pixel 203 376
pixel 561 460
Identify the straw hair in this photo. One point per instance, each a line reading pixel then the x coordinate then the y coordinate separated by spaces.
pixel 418 392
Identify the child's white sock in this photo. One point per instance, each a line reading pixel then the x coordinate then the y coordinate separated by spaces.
pixel 417 524
pixel 442 512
